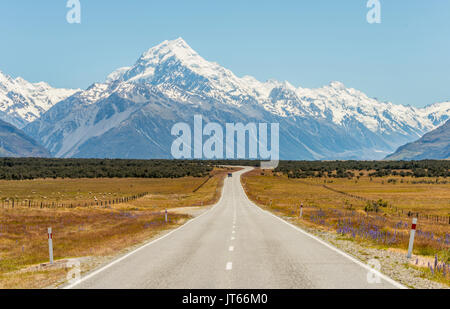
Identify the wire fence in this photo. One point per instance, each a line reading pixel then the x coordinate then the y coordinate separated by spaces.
pixel 10 203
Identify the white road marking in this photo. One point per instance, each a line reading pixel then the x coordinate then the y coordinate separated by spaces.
pixel 232 238
pixel 229 266
pixel 386 278
pixel 95 272
pixel 234 232
pixel 231 248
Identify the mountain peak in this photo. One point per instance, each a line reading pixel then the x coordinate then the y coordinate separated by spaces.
pixel 179 41
pixel 337 85
pixel 145 66
pixel 166 49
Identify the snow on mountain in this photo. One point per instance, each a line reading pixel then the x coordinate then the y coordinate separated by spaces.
pixel 436 113
pixel 176 66
pixel 21 102
pixel 171 82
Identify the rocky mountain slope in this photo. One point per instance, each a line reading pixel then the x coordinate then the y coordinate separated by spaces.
pixel 15 143
pixel 433 145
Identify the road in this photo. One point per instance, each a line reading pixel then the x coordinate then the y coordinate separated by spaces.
pixel 234 245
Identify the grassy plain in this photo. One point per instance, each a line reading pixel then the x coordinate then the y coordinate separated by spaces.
pixel 327 207
pixel 407 193
pixel 93 231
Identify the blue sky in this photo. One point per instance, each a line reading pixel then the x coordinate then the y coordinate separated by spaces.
pixel 405 59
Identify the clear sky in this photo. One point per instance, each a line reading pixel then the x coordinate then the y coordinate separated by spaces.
pixel 405 59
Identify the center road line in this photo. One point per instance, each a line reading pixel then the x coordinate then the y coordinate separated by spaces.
pixel 276 255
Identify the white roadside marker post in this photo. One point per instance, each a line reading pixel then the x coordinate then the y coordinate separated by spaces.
pixel 301 210
pixel 50 244
pixel 166 215
pixel 411 238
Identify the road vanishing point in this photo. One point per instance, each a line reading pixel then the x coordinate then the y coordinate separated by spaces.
pixel 235 245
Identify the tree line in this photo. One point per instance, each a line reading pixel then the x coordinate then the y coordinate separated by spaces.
pixel 34 168
pixel 349 169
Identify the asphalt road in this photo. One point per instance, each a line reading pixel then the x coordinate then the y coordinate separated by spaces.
pixel 235 245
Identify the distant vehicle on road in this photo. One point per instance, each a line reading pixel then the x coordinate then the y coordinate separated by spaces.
pixel 230 175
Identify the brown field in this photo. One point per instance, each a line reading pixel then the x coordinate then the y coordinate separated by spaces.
pixel 334 211
pixel 89 231
pixel 405 193
pixel 82 191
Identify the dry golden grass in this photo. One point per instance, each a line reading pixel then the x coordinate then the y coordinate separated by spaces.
pixel 98 232
pixel 76 233
pixel 423 198
pixel 324 208
pixel 182 194
pixel 432 199
pixel 80 191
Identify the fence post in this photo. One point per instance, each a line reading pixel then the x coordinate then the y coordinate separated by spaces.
pixel 50 244
pixel 411 238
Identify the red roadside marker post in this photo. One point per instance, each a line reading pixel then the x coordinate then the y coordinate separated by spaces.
pixel 411 238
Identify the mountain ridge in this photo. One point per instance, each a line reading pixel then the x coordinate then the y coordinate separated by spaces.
pixel 433 145
pixel 331 122
pixel 21 102
pixel 15 143
pixel 146 69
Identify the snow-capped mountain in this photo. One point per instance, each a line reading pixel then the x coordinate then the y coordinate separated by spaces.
pixel 132 112
pixel 21 102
